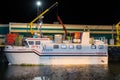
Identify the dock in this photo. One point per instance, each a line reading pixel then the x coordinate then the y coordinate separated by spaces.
pixel 114 52
pixel 2 55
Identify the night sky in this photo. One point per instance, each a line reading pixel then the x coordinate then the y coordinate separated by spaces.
pixel 98 12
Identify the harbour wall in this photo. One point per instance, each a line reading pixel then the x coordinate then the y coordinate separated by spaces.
pixel 3 59
pixel 114 53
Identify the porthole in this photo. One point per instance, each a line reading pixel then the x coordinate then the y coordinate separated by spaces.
pixel 100 46
pixel 78 46
pixel 93 47
pixel 71 46
pixel 55 46
pixel 63 46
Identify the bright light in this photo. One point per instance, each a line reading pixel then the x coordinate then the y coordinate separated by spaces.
pixel 39 3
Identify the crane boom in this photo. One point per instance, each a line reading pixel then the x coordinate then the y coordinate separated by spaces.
pixel 40 15
pixel 62 25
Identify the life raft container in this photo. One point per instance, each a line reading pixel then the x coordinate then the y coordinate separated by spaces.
pixel 10 38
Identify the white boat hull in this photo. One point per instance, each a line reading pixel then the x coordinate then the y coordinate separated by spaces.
pixel 33 59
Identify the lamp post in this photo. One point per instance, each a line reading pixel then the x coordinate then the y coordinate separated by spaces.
pixel 38 3
pixel 39 10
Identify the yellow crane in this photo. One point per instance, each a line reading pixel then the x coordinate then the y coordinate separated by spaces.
pixel 118 33
pixel 39 16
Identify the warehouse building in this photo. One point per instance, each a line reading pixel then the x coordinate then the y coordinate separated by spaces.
pixel 106 31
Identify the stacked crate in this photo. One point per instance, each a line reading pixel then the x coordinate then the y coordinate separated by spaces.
pixel 58 38
pixel 18 40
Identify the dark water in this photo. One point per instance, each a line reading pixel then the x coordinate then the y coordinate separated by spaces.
pixel 68 72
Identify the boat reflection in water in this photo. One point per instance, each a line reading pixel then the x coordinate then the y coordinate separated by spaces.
pixel 66 72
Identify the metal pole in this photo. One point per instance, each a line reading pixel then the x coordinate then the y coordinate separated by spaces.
pixel 113 31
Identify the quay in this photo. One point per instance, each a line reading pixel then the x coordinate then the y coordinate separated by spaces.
pixel 113 53
pixel 2 55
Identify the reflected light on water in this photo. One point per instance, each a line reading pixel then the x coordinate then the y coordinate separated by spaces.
pixel 54 72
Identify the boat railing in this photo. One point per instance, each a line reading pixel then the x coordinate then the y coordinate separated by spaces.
pixel 102 40
pixel 99 38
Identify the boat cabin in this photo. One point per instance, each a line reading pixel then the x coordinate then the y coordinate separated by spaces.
pixel 36 42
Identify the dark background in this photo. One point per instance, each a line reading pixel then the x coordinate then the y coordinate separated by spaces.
pixel 98 12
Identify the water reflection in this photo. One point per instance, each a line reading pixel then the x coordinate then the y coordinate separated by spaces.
pixel 78 72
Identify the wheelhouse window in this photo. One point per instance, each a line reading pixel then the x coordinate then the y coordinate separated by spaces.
pixel 63 46
pixel 37 42
pixel 78 46
pixel 55 46
pixel 31 42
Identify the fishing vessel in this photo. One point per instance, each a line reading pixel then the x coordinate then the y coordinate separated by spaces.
pixel 37 51
pixel 79 48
